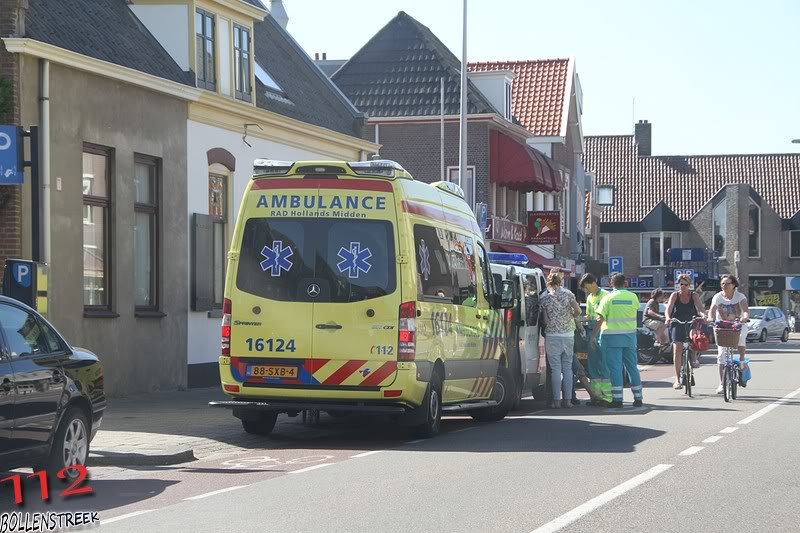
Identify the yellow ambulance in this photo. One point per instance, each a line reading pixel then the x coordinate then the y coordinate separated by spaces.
pixel 351 287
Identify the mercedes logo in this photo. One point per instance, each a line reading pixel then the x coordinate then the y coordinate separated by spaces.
pixel 313 290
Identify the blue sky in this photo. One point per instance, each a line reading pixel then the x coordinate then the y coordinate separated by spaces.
pixel 712 76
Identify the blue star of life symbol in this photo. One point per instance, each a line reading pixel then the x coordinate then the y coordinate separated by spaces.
pixel 277 258
pixel 424 260
pixel 354 260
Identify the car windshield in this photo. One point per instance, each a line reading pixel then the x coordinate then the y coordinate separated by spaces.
pixel 350 260
pixel 757 313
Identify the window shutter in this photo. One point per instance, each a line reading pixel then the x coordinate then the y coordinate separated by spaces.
pixel 202 262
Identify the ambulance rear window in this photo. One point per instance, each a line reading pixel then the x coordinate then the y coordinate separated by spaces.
pixel 345 260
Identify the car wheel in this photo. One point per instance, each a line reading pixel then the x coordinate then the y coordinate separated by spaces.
pixel 763 336
pixel 70 445
pixel 263 425
pixel 502 393
pixel 432 404
pixel 785 336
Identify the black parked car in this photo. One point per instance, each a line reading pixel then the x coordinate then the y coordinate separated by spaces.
pixel 51 394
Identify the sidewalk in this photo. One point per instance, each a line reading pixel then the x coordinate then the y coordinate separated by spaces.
pixel 171 428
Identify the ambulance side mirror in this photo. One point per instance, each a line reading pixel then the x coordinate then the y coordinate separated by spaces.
pixel 507 295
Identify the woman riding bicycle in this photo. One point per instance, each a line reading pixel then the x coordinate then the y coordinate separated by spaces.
pixel 683 305
pixel 730 304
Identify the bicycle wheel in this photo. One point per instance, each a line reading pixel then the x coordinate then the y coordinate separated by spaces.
pixel 726 383
pixel 687 371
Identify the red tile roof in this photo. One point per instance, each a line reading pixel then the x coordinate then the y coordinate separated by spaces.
pixel 538 92
pixel 686 183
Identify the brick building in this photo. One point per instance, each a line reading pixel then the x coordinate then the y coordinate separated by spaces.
pixel 744 210
pixel 408 83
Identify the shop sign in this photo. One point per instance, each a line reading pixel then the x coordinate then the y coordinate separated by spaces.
pixel 639 283
pixel 793 283
pixel 10 161
pixel 501 229
pixel 768 299
pixel 544 227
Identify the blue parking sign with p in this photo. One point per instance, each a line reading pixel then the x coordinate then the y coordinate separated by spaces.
pixel 10 167
pixel 615 265
pixel 23 274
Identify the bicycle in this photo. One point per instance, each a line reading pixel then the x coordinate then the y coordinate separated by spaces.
pixel 687 373
pixel 731 374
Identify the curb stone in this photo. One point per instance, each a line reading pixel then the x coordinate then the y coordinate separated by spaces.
pixel 164 457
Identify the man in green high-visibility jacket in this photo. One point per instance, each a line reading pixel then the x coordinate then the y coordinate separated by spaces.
pixel 596 365
pixel 617 324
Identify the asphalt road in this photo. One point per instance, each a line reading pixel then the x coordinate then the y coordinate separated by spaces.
pixel 677 464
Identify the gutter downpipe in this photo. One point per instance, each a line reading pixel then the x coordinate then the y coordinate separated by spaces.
pixel 44 143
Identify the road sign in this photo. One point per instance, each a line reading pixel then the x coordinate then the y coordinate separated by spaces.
pixel 10 166
pixel 681 271
pixel 22 274
pixel 615 264
pixel 482 212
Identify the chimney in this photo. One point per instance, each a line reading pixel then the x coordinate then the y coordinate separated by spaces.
pixel 643 133
pixel 316 56
pixel 324 56
pixel 278 12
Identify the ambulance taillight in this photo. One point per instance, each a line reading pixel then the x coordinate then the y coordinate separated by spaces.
pixel 407 332
pixel 226 327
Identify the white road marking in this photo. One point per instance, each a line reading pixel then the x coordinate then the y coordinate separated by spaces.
pixel 310 468
pixel 463 430
pixel 215 492
pixel 691 450
pixel 761 412
pixel 712 440
pixel 728 430
pixel 416 441
pixel 365 454
pixel 597 502
pixel 124 516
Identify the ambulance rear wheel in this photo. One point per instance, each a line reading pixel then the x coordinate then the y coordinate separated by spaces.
pixel 261 425
pixel 503 394
pixel 432 406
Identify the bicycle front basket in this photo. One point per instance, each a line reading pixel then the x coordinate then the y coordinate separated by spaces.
pixel 727 338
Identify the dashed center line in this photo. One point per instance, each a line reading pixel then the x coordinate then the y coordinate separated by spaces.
pixel 711 440
pixel 761 412
pixel 124 516
pixel 365 454
pixel 691 450
pixel 215 492
pixel 728 430
pixel 309 468
pixel 595 503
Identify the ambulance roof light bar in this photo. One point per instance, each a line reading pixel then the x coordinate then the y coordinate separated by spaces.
pixel 378 167
pixel 271 167
pixel 504 258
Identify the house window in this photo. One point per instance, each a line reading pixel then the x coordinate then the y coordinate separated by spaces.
pixel 655 246
pixel 204 50
pixel 96 231
pixel 145 233
pixel 468 183
pixel 754 230
pixel 241 58
pixel 794 241
pixel 720 224
pixel 511 205
pixel 494 200
pixel 603 247
pixel 507 110
pixel 605 195
pixel 218 211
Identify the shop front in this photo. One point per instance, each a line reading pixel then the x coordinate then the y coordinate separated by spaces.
pixel 792 295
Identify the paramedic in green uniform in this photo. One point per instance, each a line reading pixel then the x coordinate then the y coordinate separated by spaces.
pixel 596 365
pixel 617 322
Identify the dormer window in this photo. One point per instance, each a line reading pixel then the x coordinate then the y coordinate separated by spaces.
pixel 204 50
pixel 507 109
pixel 241 58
